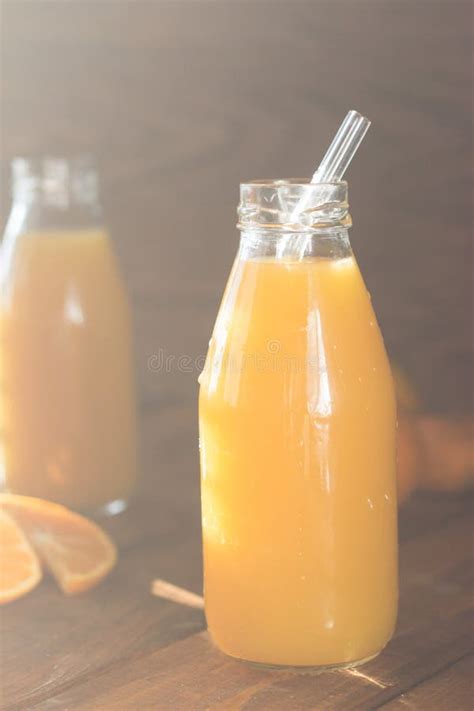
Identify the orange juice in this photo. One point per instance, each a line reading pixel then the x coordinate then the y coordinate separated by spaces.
pixel 297 438
pixel 66 391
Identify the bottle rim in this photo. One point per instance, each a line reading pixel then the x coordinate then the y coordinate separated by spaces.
pixel 293 205
pixel 71 178
pixel 302 182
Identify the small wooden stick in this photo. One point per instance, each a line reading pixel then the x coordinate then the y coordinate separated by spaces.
pixel 161 588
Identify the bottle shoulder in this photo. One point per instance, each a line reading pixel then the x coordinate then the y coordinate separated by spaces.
pixel 58 272
pixel 297 331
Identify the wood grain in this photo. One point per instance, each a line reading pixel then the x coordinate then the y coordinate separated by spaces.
pixel 453 688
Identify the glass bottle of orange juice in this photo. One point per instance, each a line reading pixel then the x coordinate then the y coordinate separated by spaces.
pixel 67 401
pixel 297 440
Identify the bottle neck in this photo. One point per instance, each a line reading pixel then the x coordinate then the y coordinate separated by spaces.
pixel 37 215
pixel 331 243
pixel 294 220
pixel 54 194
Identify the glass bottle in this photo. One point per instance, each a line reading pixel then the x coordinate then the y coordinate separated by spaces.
pixel 67 400
pixel 297 440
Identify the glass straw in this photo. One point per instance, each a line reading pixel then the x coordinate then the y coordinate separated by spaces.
pixel 332 167
pixel 342 149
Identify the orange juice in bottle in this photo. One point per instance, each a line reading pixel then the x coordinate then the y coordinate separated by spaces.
pixel 297 439
pixel 67 402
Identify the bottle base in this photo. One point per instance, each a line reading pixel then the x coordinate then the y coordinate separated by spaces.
pixel 314 670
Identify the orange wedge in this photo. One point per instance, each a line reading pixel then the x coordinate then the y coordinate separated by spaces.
pixel 20 569
pixel 76 551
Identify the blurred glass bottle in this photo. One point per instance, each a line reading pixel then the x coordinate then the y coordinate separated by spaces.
pixel 67 400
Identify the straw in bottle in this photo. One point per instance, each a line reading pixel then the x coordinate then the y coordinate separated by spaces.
pixel 331 169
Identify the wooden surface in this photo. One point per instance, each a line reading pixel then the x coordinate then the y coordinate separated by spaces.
pixel 180 101
pixel 117 648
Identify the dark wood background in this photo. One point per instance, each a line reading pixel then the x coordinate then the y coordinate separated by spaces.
pixel 180 101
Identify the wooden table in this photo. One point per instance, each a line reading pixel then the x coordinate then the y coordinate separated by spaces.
pixel 118 648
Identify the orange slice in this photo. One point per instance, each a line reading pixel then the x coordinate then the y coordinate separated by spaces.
pixel 20 569
pixel 76 551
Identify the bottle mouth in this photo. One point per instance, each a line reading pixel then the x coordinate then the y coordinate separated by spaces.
pixel 66 180
pixel 302 182
pixel 293 205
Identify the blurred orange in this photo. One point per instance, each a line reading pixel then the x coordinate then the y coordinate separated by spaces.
pixel 448 447
pixel 407 395
pixel 435 453
pixel 408 457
